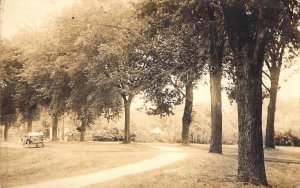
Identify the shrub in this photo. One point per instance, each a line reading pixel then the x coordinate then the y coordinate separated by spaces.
pixel 287 138
pixel 200 134
pixel 75 135
pixel 108 134
pixel 230 137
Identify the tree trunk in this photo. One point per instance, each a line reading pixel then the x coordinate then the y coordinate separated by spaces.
pixel 6 127
pixel 216 111
pixel 248 45
pixel 29 125
pixel 54 127
pixel 127 104
pixel 270 142
pixel 63 128
pixel 215 66
pixel 251 167
pixel 187 114
pixel 82 130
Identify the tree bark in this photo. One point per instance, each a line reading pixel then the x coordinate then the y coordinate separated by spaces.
pixel 215 73
pixel 63 129
pixel 274 74
pixel 127 104
pixel 248 44
pixel 6 127
pixel 187 114
pixel 251 167
pixel 82 130
pixel 54 127
pixel 216 111
pixel 29 125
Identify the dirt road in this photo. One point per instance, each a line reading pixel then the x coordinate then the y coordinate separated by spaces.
pixel 168 155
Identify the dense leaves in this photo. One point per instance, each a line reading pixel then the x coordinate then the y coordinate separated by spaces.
pixel 10 67
pixel 178 51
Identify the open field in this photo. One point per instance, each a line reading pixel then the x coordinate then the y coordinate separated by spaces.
pixel 20 166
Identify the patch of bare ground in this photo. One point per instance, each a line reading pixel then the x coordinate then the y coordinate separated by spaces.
pixel 20 166
pixel 203 169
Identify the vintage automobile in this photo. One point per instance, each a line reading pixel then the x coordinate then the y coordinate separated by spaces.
pixel 33 138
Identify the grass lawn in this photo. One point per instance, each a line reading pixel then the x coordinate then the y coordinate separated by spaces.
pixel 19 166
pixel 202 169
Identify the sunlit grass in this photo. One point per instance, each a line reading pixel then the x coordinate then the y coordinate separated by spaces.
pixel 203 169
pixel 29 165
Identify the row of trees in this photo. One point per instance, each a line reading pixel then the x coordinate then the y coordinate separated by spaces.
pixel 240 37
pixel 94 60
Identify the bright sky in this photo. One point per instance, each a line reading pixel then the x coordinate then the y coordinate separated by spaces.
pixel 16 14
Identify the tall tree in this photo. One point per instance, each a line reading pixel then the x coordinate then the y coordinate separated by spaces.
pixel 126 70
pixel 10 67
pixel 54 95
pixel 61 65
pixel 249 26
pixel 284 39
pixel 249 54
pixel 26 100
pixel 177 51
pixel 89 101
pixel 44 72
pixel 8 109
pixel 217 43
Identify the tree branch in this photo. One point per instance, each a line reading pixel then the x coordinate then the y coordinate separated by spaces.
pixel 281 56
pixel 266 87
pixel 124 97
pixel 266 74
pixel 176 87
pixel 268 65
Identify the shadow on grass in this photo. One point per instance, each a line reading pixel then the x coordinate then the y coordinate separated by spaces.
pixel 278 160
pixel 267 159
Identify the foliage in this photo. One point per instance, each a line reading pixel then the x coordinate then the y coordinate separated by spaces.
pixel 109 134
pixel 26 99
pixel 75 136
pixel 287 138
pixel 59 65
pixel 112 134
pixel 10 67
pixel 123 62
pixel 283 45
pixel 44 74
pixel 178 50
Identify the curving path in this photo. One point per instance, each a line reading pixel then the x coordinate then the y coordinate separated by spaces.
pixel 168 155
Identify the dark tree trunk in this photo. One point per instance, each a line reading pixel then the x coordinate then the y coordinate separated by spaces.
pixel 248 43
pixel 29 125
pixel 6 127
pixel 54 127
pixel 216 111
pixel 187 114
pixel 251 167
pixel 216 55
pixel 82 130
pixel 127 104
pixel 270 142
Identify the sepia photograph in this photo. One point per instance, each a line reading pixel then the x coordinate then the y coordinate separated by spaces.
pixel 149 93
